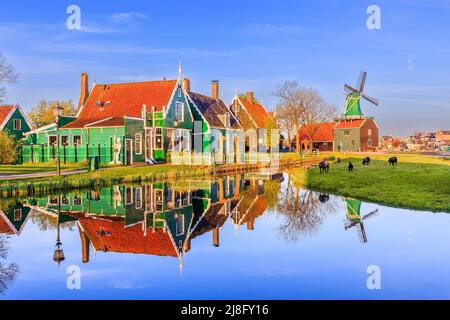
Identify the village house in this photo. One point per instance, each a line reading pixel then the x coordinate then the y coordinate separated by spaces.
pixel 14 121
pixel 356 135
pixel 120 123
pixel 443 140
pixel 221 135
pixel 261 135
pixel 320 135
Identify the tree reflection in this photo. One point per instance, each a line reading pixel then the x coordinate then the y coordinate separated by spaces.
pixel 303 211
pixel 8 273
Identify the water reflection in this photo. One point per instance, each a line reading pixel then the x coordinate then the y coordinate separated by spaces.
pixel 355 219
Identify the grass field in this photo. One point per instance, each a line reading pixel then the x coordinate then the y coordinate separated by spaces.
pixel 35 168
pixel 417 182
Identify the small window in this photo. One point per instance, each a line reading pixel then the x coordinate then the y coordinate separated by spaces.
pixel 77 140
pixel 226 120
pixel 346 132
pixel 52 140
pixel 138 143
pixel 64 140
pixel 353 142
pixel 17 214
pixel 17 124
pixel 179 224
pixel 179 111
pixel 77 201
pixel 65 200
pixel 128 196
pixel 159 200
pixel 53 200
pixel 369 132
pixel 369 142
pixel 138 197
pixel 158 138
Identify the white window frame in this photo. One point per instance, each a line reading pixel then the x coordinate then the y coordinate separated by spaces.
pixel 20 124
pixel 52 136
pixel 156 138
pixel 73 140
pixel 180 232
pixel 369 132
pixel 138 196
pixel 17 212
pixel 177 105
pixel 68 140
pixel 77 198
pixel 136 144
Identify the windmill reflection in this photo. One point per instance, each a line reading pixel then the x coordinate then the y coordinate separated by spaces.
pixel 355 219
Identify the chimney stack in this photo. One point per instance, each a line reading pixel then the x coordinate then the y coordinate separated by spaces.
pixel 216 241
pixel 215 89
pixel 84 94
pixel 187 84
pixel 187 245
pixel 250 96
pixel 251 224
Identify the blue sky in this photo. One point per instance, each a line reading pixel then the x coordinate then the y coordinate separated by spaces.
pixel 247 45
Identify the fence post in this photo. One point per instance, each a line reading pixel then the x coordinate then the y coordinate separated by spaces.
pixel 87 151
pixel 42 152
pixel 76 153
pixel 64 153
pixel 111 149
pixel 32 154
pixel 99 154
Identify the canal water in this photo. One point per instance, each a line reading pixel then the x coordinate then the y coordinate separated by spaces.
pixel 252 236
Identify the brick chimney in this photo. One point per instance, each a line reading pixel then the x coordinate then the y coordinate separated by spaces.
pixel 250 96
pixel 187 84
pixel 84 94
pixel 216 241
pixel 215 89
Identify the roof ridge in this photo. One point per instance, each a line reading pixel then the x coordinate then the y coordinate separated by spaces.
pixel 135 82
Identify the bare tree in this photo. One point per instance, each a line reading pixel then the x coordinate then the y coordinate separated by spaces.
pixel 7 76
pixel 286 122
pixel 8 273
pixel 304 107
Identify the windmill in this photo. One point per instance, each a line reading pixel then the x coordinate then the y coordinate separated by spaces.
pixel 355 219
pixel 352 103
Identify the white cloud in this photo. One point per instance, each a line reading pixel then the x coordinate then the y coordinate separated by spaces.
pixel 127 16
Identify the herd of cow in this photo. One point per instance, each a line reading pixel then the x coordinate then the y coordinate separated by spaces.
pixel 324 166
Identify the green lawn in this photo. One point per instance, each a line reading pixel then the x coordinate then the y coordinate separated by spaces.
pixel 423 186
pixel 36 168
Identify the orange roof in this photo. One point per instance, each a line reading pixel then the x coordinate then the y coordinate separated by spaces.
pixel 112 235
pixel 258 113
pixel 350 123
pixel 5 227
pixel 321 132
pixel 258 209
pixel 124 99
pixel 4 112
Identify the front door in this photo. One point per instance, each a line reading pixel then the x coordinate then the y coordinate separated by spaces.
pixel 129 151
pixel 149 144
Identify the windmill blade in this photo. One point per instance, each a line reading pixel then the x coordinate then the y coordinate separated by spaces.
pixel 361 81
pixel 370 214
pixel 371 100
pixel 349 89
pixel 362 233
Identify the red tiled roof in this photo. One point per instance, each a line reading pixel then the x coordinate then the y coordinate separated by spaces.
pixel 258 209
pixel 5 227
pixel 125 99
pixel 4 112
pixel 112 235
pixel 350 123
pixel 258 113
pixel 321 132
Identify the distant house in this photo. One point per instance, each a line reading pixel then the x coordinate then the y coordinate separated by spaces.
pixel 14 120
pixel 443 140
pixel 257 123
pixel 356 135
pixel 321 135
pixel 13 217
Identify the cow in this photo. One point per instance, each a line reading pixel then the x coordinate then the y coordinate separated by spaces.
pixel 323 197
pixel 350 167
pixel 324 166
pixel 393 161
pixel 366 161
pixel 338 160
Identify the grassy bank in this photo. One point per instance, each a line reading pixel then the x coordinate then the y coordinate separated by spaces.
pixel 104 177
pixel 37 168
pixel 412 184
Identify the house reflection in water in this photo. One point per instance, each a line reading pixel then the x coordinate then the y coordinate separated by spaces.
pixel 13 217
pixel 157 219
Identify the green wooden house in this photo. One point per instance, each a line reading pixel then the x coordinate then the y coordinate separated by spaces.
pixel 14 120
pixel 121 123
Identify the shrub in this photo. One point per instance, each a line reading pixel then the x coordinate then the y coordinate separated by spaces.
pixel 8 148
